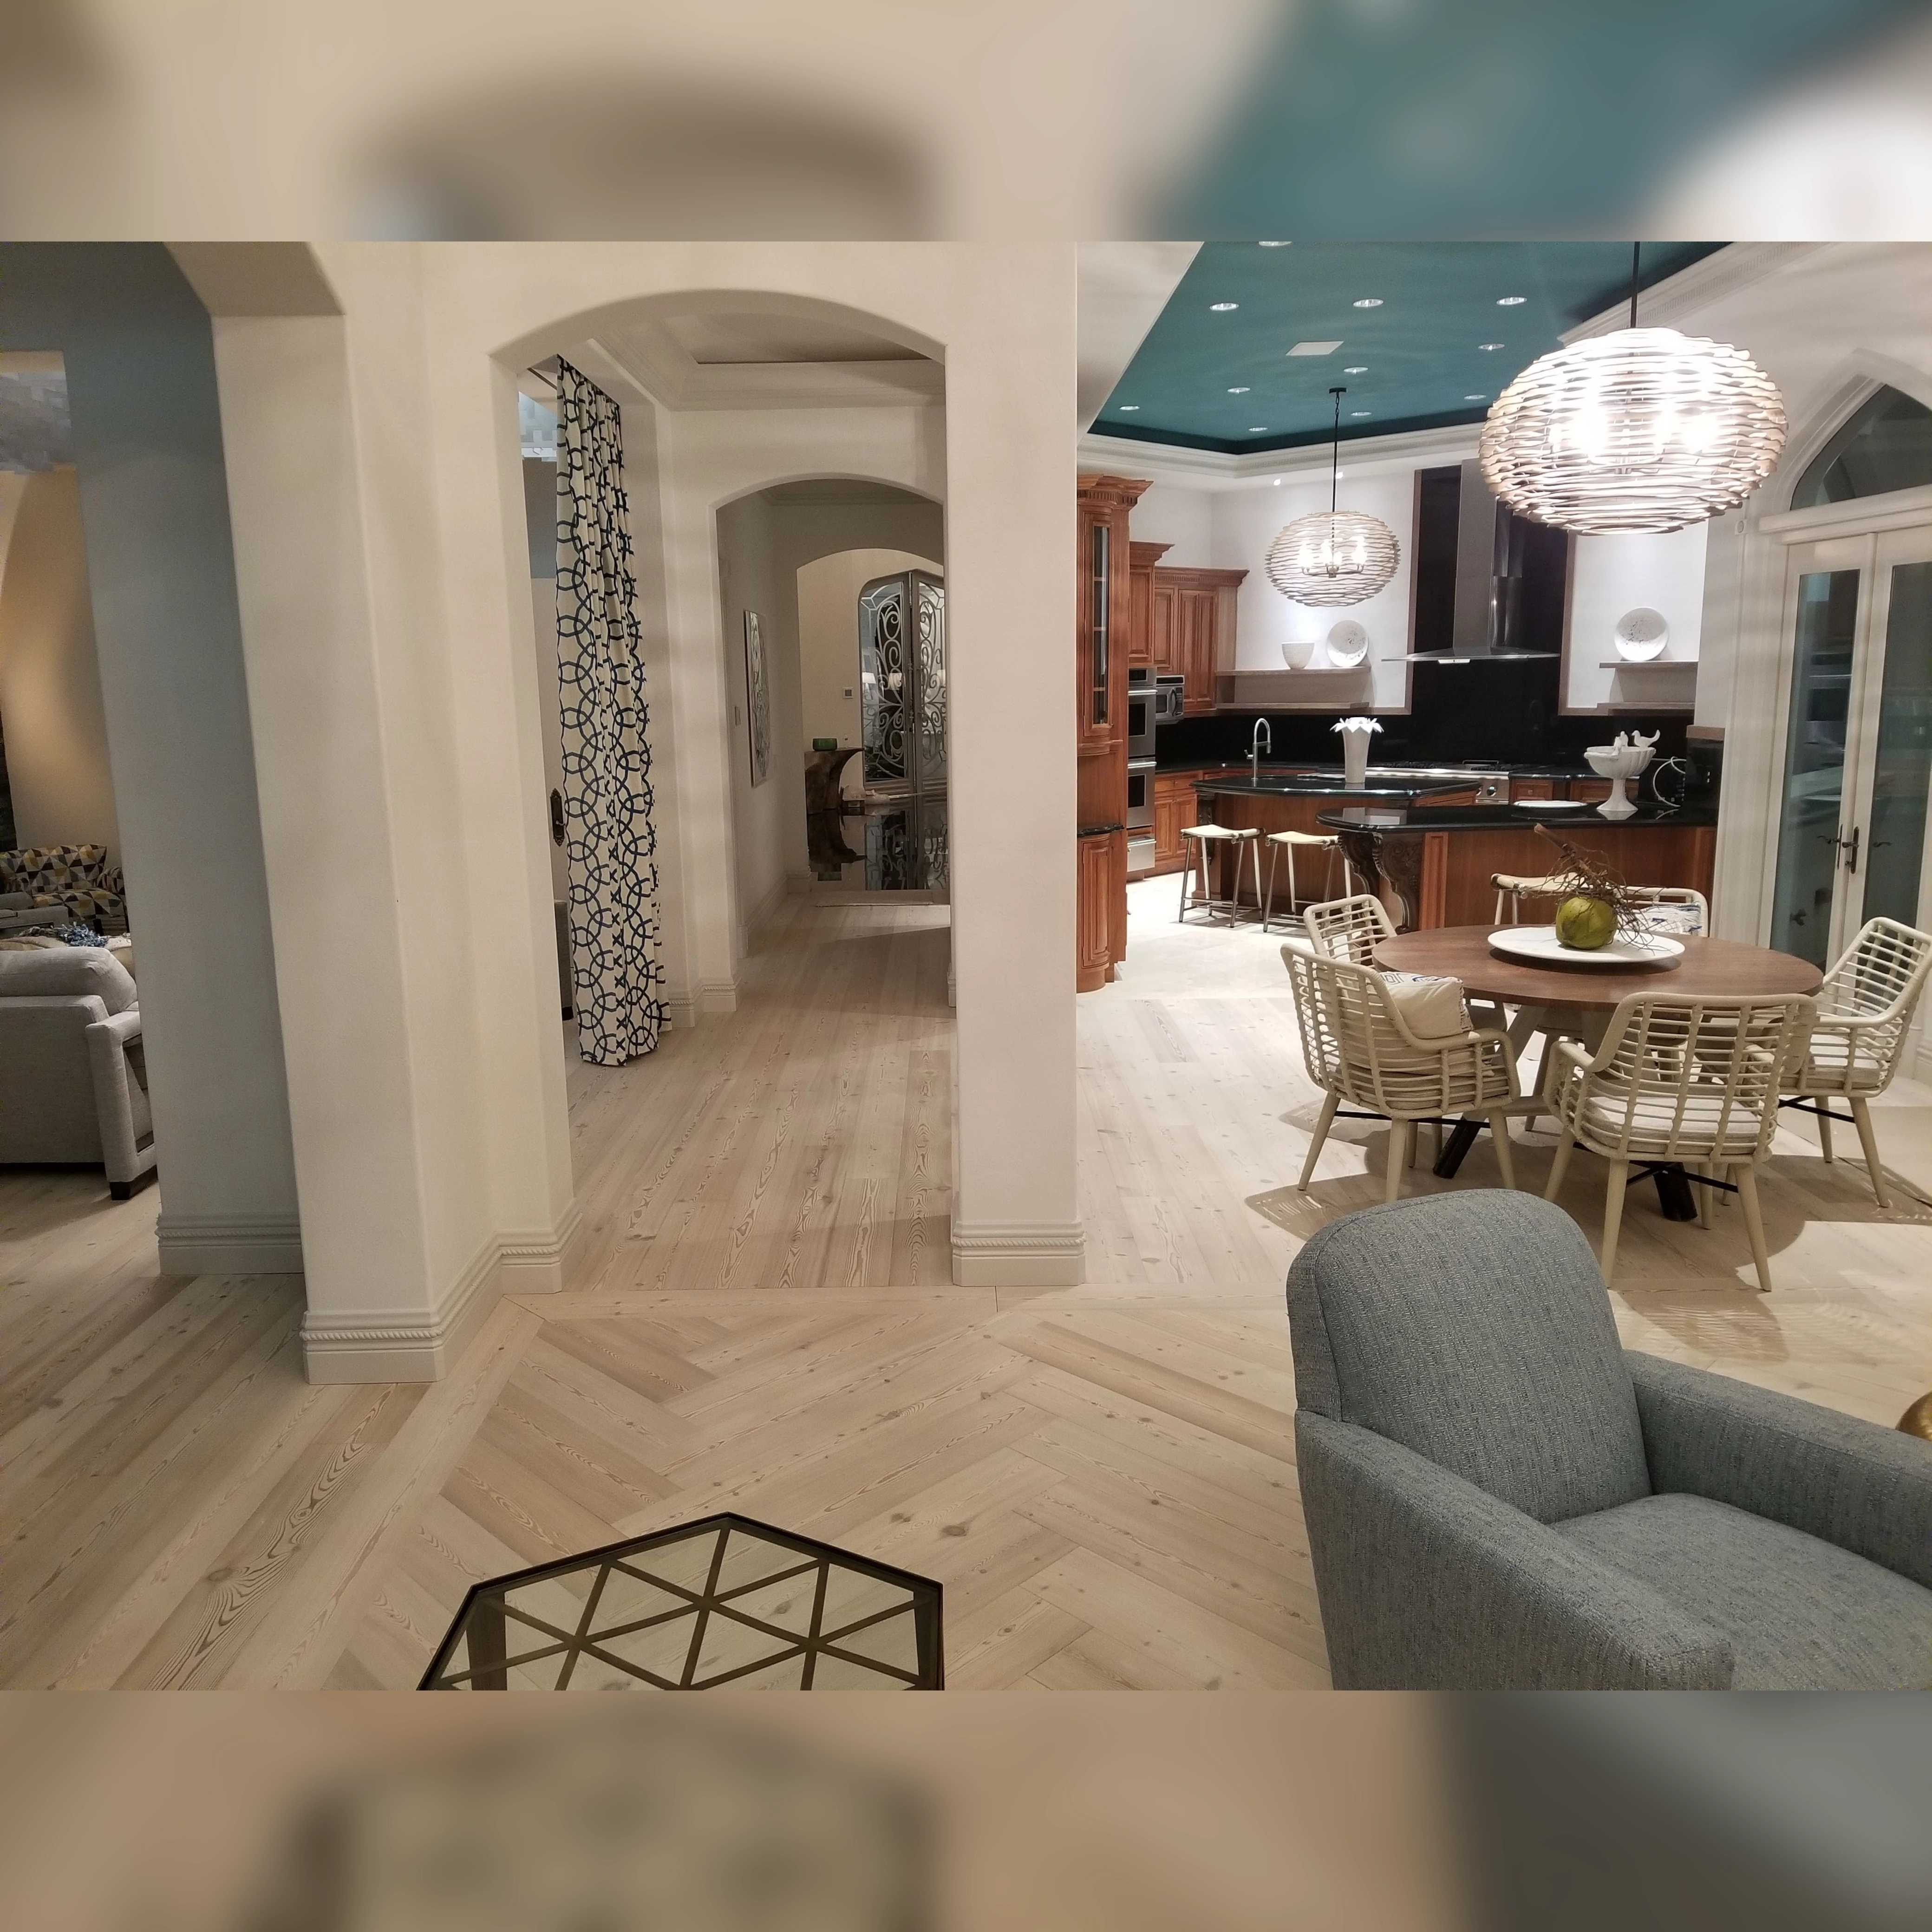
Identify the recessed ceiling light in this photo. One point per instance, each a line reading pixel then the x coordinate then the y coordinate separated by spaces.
pixel 1274 244
pixel 1511 301
pixel 1478 398
pixel 1242 391
pixel 1361 413
pixel 1128 409
pixel 1487 346
pixel 1258 429
pixel 1220 308
pixel 1277 482
pixel 1315 348
pixel 1356 369
pixel 1370 302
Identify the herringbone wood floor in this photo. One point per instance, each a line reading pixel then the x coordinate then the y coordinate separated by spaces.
pixel 759 1317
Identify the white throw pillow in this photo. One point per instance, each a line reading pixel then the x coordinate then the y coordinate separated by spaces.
pixel 1431 1009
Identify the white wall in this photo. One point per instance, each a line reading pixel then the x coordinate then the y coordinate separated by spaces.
pixel 1610 575
pixel 1172 514
pixel 50 701
pixel 748 579
pixel 1271 633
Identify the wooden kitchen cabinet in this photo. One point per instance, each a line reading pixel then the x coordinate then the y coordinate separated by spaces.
pixel 1104 628
pixel 1193 629
pixel 1174 808
pixel 1141 558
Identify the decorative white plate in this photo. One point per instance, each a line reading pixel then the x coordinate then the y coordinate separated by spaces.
pixel 1539 945
pixel 1641 634
pixel 1554 804
pixel 1347 644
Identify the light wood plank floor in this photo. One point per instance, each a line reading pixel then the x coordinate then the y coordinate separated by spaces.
pixel 759 1317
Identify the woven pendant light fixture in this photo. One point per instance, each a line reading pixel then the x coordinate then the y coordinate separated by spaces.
pixel 1332 558
pixel 1642 430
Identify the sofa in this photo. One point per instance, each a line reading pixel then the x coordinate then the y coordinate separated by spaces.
pixel 74 883
pixel 72 1078
pixel 1499 1496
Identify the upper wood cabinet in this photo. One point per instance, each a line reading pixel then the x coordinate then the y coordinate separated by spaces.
pixel 1143 557
pixel 1193 629
pixel 1104 621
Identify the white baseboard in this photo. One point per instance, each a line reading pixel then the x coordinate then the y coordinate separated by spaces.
pixel 1044 1255
pixel 533 1263
pixel 718 996
pixel 219 1244
pixel 401 1345
pixel 766 908
pixel 681 1010
pixel 405 1344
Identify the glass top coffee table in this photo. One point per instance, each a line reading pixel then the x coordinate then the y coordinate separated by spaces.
pixel 721 1602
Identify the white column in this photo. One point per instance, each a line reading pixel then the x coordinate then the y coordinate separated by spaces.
pixel 1009 587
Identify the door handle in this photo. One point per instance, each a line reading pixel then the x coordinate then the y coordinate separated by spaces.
pixel 1847 849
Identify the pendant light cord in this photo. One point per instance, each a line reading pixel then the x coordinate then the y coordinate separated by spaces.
pixel 1335 449
pixel 1635 246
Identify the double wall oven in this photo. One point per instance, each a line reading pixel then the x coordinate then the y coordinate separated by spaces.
pixel 1153 701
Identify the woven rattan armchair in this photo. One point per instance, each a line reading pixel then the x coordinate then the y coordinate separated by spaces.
pixel 1356 1046
pixel 1350 929
pixel 1864 1016
pixel 1678 1081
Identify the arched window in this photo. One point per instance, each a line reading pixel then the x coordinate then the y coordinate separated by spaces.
pixel 1885 444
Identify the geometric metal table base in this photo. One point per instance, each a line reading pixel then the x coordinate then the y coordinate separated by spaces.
pixel 722 1601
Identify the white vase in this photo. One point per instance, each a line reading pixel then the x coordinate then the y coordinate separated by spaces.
pixel 1355 757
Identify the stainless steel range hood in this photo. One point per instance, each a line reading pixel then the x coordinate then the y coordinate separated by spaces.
pixel 1488 590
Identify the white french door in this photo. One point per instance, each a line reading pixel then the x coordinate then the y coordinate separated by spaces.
pixel 1857 745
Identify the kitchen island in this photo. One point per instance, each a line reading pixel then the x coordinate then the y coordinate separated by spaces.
pixel 1428 837
pixel 1432 861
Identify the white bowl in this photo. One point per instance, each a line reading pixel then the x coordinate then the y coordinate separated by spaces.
pixel 1607 761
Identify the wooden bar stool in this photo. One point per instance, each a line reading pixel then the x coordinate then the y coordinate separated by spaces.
pixel 1200 842
pixel 1279 842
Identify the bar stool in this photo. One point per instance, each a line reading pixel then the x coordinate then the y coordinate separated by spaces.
pixel 1200 842
pixel 1279 842
pixel 1515 888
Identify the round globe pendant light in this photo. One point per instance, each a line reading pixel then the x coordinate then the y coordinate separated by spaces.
pixel 1333 558
pixel 1642 430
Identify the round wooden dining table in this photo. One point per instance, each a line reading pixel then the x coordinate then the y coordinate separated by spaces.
pixel 1574 1001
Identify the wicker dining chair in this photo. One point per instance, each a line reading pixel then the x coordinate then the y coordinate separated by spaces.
pixel 1678 909
pixel 1865 1009
pixel 1516 887
pixel 1350 929
pixel 1679 1080
pixel 1357 1046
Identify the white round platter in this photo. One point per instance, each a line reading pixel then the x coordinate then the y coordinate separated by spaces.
pixel 1539 945
pixel 1554 804
pixel 1347 644
pixel 1641 634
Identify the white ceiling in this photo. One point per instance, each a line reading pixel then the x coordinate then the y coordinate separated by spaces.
pixel 710 340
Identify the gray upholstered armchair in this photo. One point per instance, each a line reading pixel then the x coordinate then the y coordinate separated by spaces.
pixel 1499 1496
pixel 73 1082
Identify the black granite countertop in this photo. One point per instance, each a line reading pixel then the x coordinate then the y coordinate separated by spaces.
pixel 1378 771
pixel 1382 785
pixel 1424 817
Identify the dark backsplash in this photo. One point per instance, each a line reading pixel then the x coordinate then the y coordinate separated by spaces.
pixel 1503 709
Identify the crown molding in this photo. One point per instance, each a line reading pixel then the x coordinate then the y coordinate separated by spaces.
pixel 1215 470
pixel 1732 269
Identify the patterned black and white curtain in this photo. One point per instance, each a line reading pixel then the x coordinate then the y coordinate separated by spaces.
pixel 617 980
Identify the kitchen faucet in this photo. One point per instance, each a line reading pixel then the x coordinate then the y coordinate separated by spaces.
pixel 1261 729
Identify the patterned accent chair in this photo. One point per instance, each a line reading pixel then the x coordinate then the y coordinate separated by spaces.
pixel 74 879
pixel 1500 1497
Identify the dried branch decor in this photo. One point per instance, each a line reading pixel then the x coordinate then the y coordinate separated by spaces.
pixel 1587 875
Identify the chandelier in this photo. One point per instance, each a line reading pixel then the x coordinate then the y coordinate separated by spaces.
pixel 1642 430
pixel 1333 557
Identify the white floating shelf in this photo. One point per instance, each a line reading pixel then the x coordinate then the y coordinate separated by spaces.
pixel 1663 684
pixel 1314 689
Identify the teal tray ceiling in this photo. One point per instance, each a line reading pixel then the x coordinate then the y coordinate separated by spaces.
pixel 1211 376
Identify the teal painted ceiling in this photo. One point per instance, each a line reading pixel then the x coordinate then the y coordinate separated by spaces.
pixel 1451 323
